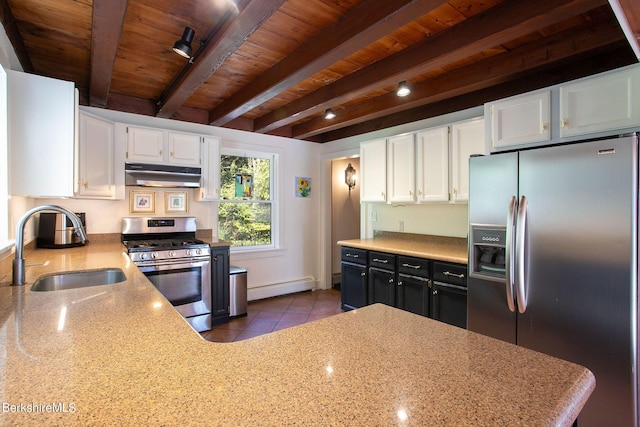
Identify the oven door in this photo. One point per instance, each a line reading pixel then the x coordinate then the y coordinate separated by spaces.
pixel 186 284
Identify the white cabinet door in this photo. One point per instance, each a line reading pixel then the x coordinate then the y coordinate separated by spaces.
pixel 210 182
pixel 467 138
pixel 373 163
pixel 184 149
pixel 41 135
pixel 602 103
pixel 401 178
pixel 520 120
pixel 146 145
pixel 96 158
pixel 432 148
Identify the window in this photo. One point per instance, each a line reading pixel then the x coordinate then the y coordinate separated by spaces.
pixel 247 210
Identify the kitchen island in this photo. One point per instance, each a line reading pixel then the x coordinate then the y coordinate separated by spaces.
pixel 121 355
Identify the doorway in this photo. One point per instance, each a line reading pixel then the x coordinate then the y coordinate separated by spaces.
pixel 345 211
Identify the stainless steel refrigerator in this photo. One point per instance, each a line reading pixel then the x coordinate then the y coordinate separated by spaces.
pixel 553 261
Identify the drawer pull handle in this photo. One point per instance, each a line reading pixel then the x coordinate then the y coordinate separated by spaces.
pixel 352 255
pixel 384 261
pixel 459 276
pixel 416 267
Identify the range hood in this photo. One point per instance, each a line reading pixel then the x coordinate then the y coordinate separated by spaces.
pixel 151 175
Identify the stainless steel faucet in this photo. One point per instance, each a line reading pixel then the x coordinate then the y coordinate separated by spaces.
pixel 18 262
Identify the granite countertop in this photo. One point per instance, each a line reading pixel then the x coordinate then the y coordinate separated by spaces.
pixel 121 355
pixel 439 248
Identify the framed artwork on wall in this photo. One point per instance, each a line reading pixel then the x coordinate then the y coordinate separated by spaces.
pixel 176 201
pixel 142 201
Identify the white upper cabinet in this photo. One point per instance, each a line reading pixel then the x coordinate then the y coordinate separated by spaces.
pixel 96 158
pixel 467 139
pixel 519 120
pixel 150 145
pixel 41 134
pixel 596 104
pixel 432 150
pixel 401 178
pixel 210 182
pixel 184 149
pixel 373 165
pixel 146 145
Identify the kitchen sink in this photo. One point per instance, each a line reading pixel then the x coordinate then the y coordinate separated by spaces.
pixel 79 279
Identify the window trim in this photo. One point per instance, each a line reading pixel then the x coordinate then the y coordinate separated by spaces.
pixel 274 184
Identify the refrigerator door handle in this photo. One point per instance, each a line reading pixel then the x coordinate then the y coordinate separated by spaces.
pixel 521 288
pixel 508 247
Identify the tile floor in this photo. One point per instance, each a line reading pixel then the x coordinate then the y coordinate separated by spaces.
pixel 272 314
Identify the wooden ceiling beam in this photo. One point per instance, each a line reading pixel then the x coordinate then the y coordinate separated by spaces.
pixel 11 28
pixel 369 21
pixel 486 30
pixel 227 39
pixel 628 14
pixel 591 63
pixel 106 26
pixel 480 75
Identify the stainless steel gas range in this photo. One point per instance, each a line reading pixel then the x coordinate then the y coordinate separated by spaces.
pixel 179 265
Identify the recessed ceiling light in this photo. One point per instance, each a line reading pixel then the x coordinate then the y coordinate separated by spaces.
pixel 329 114
pixel 403 89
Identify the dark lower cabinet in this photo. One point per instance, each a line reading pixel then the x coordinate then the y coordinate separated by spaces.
pixel 428 288
pixel 219 285
pixel 449 293
pixel 353 286
pixel 449 304
pixel 382 287
pixel 413 294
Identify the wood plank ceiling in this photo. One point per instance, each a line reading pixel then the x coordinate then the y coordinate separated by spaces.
pixel 274 66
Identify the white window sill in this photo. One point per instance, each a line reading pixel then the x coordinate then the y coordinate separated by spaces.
pixel 239 254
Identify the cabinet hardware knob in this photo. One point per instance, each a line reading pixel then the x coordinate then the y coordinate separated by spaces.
pixel 543 127
pixel 459 276
pixel 564 123
pixel 400 283
pixel 410 193
pixel 435 292
pixel 391 280
pixel 363 274
pixel 160 152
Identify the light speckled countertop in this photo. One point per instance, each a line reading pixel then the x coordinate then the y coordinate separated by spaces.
pixel 121 355
pixel 439 248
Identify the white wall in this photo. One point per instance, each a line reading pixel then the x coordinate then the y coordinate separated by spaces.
pixel 296 265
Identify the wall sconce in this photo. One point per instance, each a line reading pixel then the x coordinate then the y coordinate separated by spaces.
pixel 350 176
pixel 403 89
pixel 329 114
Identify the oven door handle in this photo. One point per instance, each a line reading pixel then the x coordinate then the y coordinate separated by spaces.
pixel 168 265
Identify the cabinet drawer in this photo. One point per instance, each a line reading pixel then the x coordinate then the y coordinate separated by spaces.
pixel 413 266
pixel 382 260
pixel 450 273
pixel 358 256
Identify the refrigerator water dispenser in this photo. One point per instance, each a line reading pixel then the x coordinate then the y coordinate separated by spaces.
pixel 488 248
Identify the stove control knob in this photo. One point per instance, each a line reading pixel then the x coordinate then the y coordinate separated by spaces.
pixel 188 252
pixel 172 253
pixel 154 255
pixel 143 256
pixel 198 251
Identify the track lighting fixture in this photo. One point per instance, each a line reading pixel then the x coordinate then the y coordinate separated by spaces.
pixel 403 89
pixel 183 46
pixel 329 114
